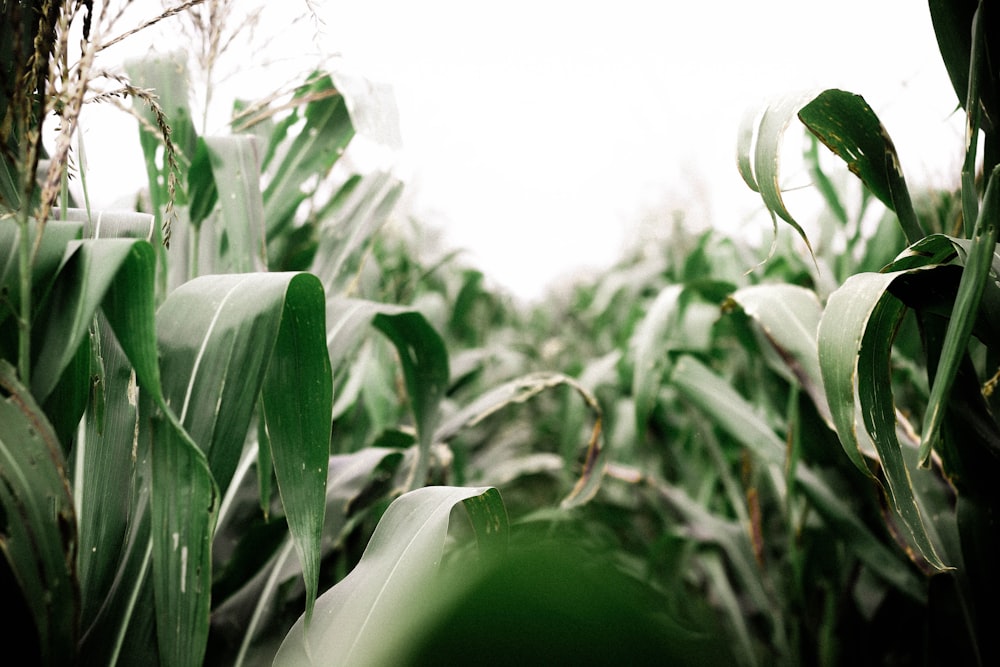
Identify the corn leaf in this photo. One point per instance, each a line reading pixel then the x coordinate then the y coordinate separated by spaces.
pixel 350 221
pixel 297 399
pixel 85 279
pixel 184 507
pixel 39 536
pixel 978 267
pixel 758 151
pixel 650 345
pixel 788 316
pixel 223 340
pixel 424 360
pixel 366 618
pixel 716 398
pixel 523 389
pixel 314 150
pixel 855 339
pixel 236 173
pixel 847 126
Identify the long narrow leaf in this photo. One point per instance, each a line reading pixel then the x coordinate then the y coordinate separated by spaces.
pixel 424 359
pixel 39 538
pixel 855 339
pixel 297 397
pixel 970 292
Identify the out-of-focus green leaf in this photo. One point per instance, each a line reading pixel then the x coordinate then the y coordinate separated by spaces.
pixel 297 397
pixel 203 194
pixel 236 169
pixel 349 222
pixel 367 618
pixel 730 411
pixel 424 360
pixel 315 148
pixel 855 340
pixel 846 124
pixel 523 389
pixel 650 345
pixel 39 536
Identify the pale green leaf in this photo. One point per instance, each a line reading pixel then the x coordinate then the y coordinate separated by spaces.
pixel 650 345
pixel 236 168
pixel 855 340
pixel 367 617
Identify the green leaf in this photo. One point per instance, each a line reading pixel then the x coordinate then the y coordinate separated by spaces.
pixel 650 345
pixel 788 316
pixel 236 168
pixel 223 340
pixel 523 389
pixel 39 534
pixel 297 398
pixel 977 269
pixel 203 194
pixel 91 271
pixel 846 124
pixel 855 341
pixel 369 616
pixel 730 411
pixel 313 151
pixel 184 509
pixel 424 360
pixel 758 152
pixel 954 28
pixel 350 221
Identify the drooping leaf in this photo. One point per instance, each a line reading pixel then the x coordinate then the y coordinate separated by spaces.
pixel 424 360
pixel 953 28
pixel 855 339
pixel 523 389
pixel 367 617
pixel 789 317
pixel 760 169
pixel 846 124
pixel 91 271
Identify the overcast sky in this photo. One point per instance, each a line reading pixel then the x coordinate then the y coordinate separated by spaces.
pixel 537 133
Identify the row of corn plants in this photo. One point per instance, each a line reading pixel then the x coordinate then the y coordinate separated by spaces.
pixel 237 422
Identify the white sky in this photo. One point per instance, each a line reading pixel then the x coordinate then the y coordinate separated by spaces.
pixel 537 133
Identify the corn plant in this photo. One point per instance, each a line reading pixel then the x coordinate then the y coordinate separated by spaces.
pixel 904 366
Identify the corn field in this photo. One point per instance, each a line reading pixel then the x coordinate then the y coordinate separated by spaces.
pixel 261 417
